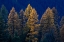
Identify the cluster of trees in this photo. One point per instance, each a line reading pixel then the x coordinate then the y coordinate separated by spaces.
pixel 26 27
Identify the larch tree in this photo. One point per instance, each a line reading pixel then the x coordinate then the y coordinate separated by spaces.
pixel 32 21
pixel 47 26
pixel 28 11
pixel 13 22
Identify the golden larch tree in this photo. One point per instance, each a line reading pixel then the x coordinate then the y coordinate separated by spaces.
pixel 31 23
pixel 28 11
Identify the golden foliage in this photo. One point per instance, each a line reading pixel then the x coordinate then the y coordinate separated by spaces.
pixel 28 11
pixel 33 18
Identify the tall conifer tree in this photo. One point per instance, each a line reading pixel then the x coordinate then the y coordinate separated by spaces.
pixel 47 26
pixel 32 21
pixel 28 11
pixel 13 22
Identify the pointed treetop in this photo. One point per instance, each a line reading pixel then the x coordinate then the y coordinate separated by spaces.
pixel 2 6
pixel 29 6
pixel 21 11
pixel 54 10
pixel 13 9
pixel 48 9
pixel 28 11
pixel 47 12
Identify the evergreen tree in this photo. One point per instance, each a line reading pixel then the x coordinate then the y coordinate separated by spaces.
pixel 2 27
pixel 3 24
pixel 32 21
pixel 4 13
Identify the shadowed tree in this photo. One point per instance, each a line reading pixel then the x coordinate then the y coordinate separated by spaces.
pixel 22 19
pixel 4 13
pixel 24 28
pixel 3 24
pixel 56 18
pixel 2 29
